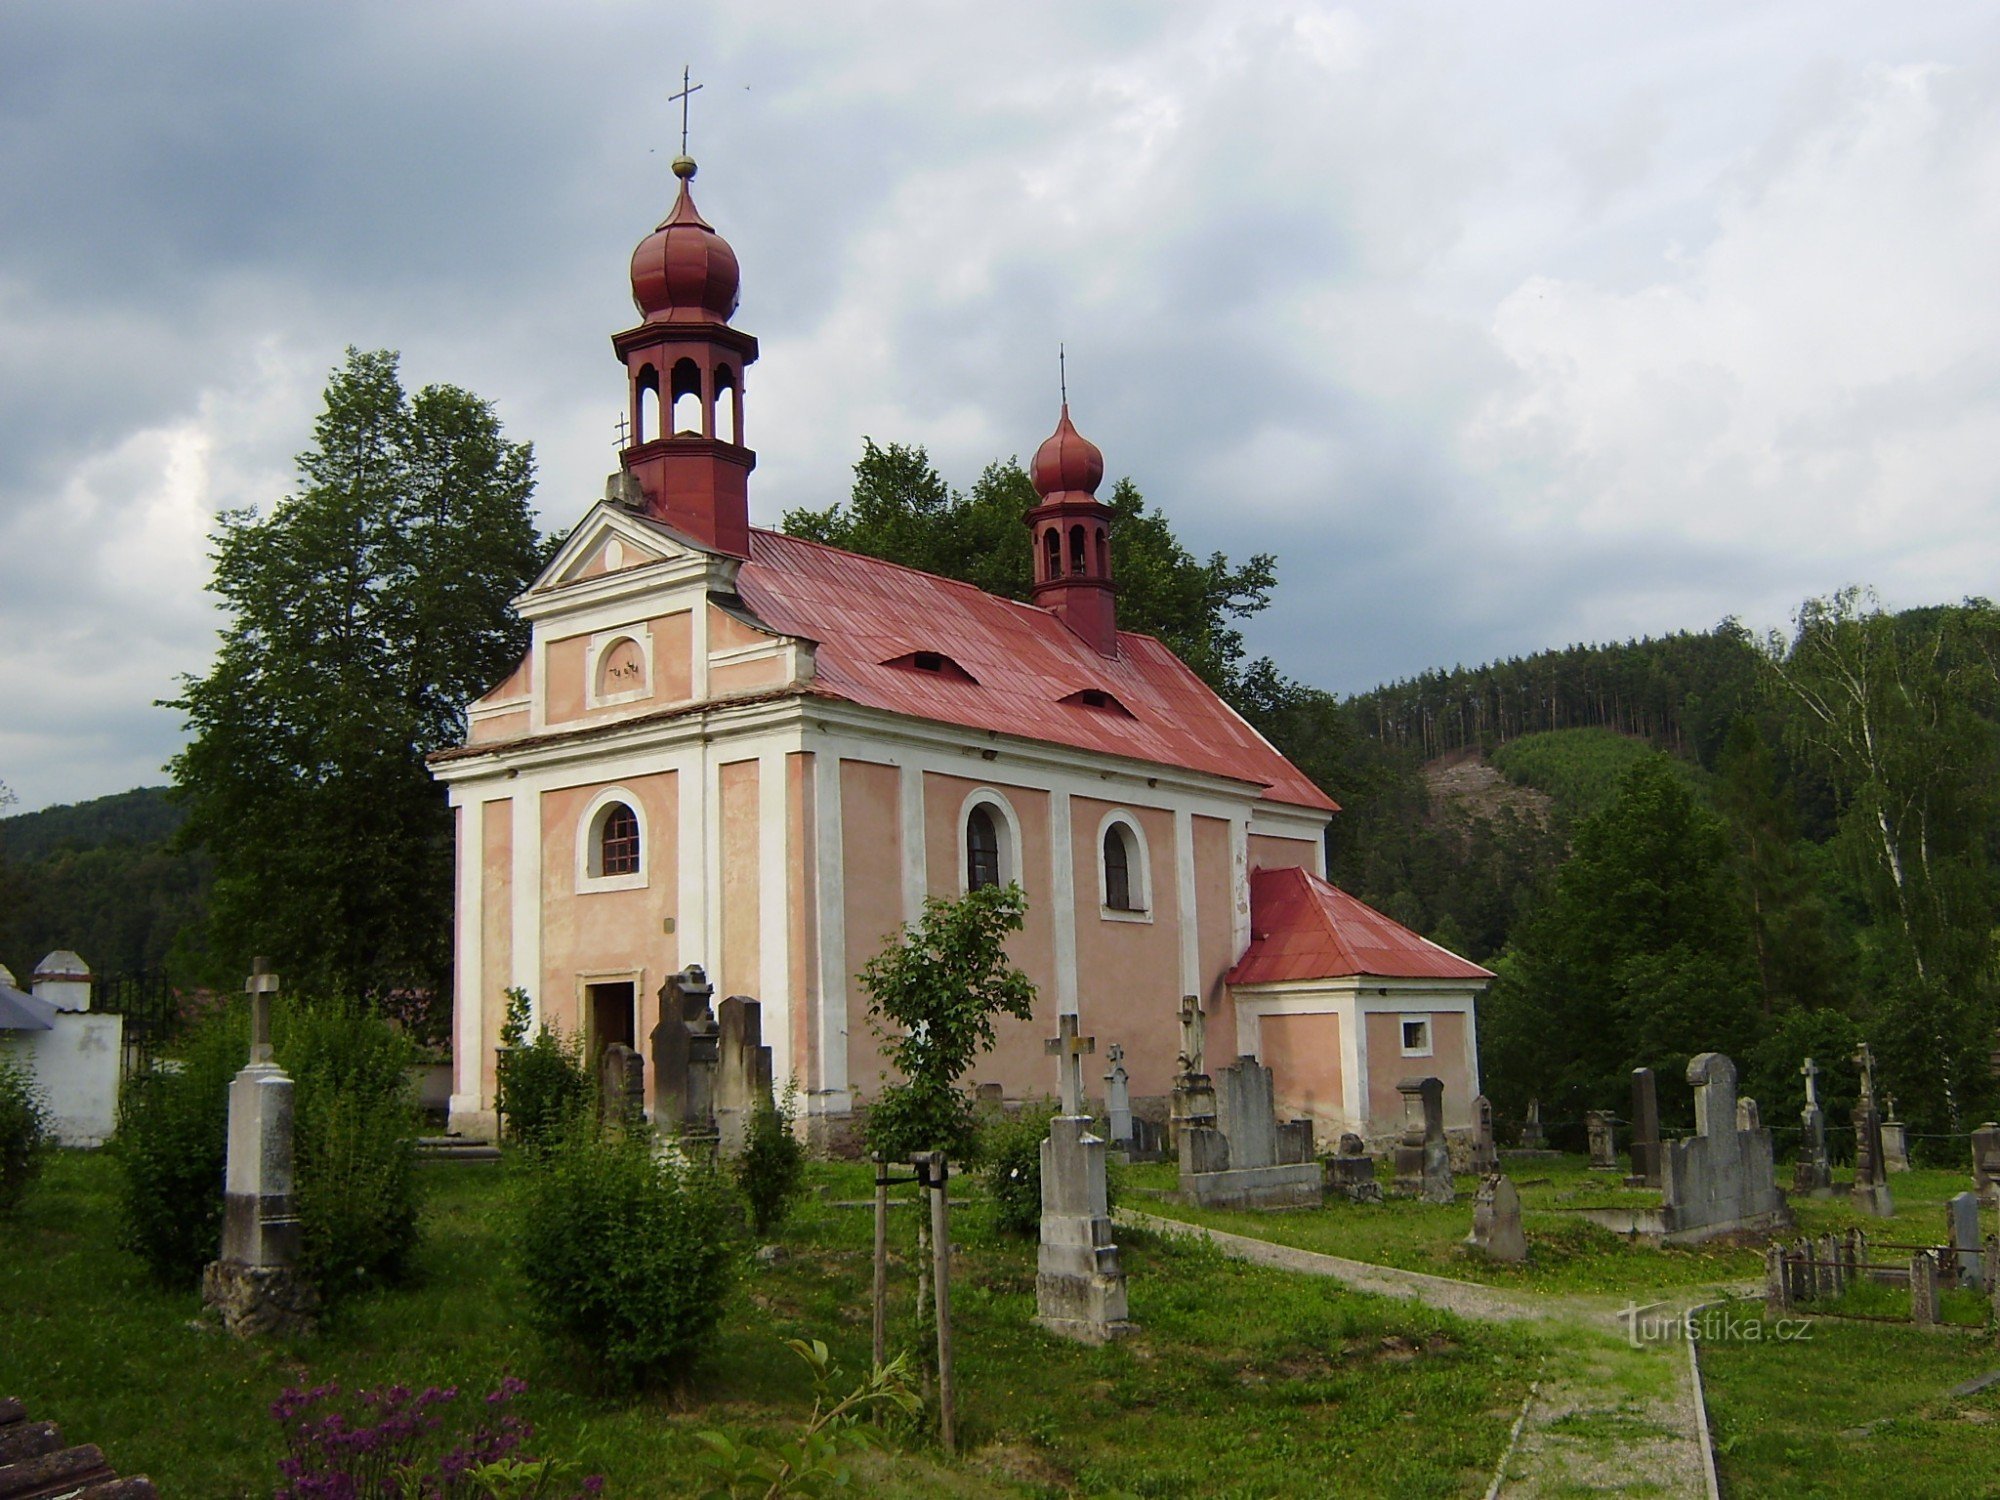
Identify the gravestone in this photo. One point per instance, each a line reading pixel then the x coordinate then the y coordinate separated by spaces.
pixel 1247 1159
pixel 1814 1172
pixel 1722 1179
pixel 1645 1130
pixel 1895 1144
pixel 1350 1173
pixel 1747 1115
pixel 1485 1157
pixel 1871 1173
pixel 1496 1220
pixel 742 1069
pixel 1961 1221
pixel 1532 1138
pixel 991 1098
pixel 1603 1140
pixel 621 1085
pixel 253 1286
pixel 1079 1284
pixel 1194 1092
pixel 1923 1289
pixel 1986 1161
pixel 1423 1162
pixel 1118 1098
pixel 686 1048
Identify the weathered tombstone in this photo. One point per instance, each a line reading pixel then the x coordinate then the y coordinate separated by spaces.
pixel 686 1049
pixel 253 1286
pixel 1485 1156
pixel 1423 1162
pixel 1645 1130
pixel 1496 1220
pixel 1721 1180
pixel 1923 1289
pixel 1814 1172
pixel 1603 1140
pixel 1351 1173
pixel 1986 1161
pixel 1895 1144
pixel 1961 1217
pixel 1991 1257
pixel 1532 1138
pixel 1194 1092
pixel 1748 1116
pixel 1871 1178
pixel 1118 1098
pixel 1826 1257
pixel 1079 1284
pixel 1247 1159
pixel 1777 1282
pixel 621 1085
pixel 991 1097
pixel 742 1069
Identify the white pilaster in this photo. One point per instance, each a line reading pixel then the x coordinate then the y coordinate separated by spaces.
pixel 831 1095
pixel 1062 900
pixel 1239 886
pixel 916 869
pixel 526 917
pixel 774 915
pixel 468 1046
pixel 1187 902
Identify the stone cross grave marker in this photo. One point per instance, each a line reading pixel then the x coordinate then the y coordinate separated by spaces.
pixel 1485 1156
pixel 1118 1097
pixel 1895 1144
pixel 1722 1179
pixel 1814 1172
pixel 1645 1130
pixel 1069 1050
pixel 1871 1176
pixel 1192 1062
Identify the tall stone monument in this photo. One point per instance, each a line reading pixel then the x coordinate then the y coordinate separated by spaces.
pixel 686 1048
pixel 1118 1098
pixel 1079 1285
pixel 1814 1172
pixel 1645 1130
pixel 1423 1162
pixel 1194 1090
pixel 1895 1144
pixel 742 1069
pixel 1871 1172
pixel 1722 1179
pixel 1485 1153
pixel 1248 1158
pixel 254 1286
pixel 1603 1140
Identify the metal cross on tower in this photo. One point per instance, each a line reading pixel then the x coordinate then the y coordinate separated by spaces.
pixel 624 431
pixel 1069 1050
pixel 687 91
pixel 260 986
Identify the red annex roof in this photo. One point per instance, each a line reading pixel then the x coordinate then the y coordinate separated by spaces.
pixel 1020 665
pixel 1303 928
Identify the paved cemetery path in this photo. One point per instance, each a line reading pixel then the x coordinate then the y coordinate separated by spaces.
pixel 1611 1419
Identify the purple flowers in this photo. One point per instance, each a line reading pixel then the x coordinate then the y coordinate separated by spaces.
pixel 390 1444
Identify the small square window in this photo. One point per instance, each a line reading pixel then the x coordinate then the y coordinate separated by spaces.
pixel 1417 1038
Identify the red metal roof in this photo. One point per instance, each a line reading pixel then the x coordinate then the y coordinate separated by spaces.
pixel 865 613
pixel 1301 927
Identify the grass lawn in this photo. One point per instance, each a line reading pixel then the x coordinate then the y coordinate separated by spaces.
pixel 1241 1381
pixel 1789 1416
pixel 1565 1254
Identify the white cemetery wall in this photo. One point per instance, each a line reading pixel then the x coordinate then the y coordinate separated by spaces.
pixel 76 1067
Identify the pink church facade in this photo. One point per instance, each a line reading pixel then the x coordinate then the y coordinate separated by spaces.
pixel 734 748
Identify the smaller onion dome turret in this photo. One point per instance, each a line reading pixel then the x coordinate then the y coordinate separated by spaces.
pixel 1067 463
pixel 684 272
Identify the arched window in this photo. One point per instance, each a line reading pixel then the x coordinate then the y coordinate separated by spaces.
pixel 688 414
pixel 647 417
pixel 1117 870
pixel 1103 555
pixel 618 841
pixel 982 849
pixel 1052 548
pixel 1076 549
pixel 728 418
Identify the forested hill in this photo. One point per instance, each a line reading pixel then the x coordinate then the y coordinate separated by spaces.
pixel 1679 691
pixel 99 877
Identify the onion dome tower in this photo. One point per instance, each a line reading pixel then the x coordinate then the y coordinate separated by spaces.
pixel 1072 532
pixel 684 365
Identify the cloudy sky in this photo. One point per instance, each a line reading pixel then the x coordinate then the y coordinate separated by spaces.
pixel 1502 325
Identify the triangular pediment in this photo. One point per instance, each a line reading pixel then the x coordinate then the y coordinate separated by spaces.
pixel 611 540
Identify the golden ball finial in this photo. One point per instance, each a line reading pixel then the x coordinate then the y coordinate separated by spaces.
pixel 683 167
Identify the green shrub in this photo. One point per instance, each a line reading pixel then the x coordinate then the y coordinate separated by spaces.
pixel 1013 1169
pixel 543 1084
pixel 353 1145
pixel 629 1253
pixel 25 1134
pixel 171 1149
pixel 772 1169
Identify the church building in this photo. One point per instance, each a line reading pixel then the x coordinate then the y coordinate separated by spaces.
pixel 735 748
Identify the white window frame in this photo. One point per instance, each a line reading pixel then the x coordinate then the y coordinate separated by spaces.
pixel 1008 827
pixel 1425 1020
pixel 601 645
pixel 1138 868
pixel 589 844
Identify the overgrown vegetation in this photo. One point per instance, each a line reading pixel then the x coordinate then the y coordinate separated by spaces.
pixel 25 1133
pixel 541 1084
pixel 940 988
pixel 1012 1151
pixel 771 1169
pixel 628 1253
